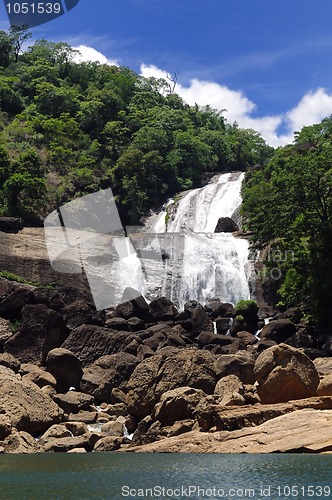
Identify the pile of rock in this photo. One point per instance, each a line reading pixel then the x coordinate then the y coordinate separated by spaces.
pixel 73 379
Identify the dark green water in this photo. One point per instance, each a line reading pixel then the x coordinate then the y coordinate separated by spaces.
pixel 118 476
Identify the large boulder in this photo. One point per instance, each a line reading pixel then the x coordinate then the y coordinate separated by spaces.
pixel 107 373
pixel 177 404
pixel 27 407
pixel 74 402
pixel 90 342
pixel 42 329
pixel 79 313
pixel 240 364
pixel 226 225
pixel 136 307
pixel 278 330
pixel 284 373
pixel 166 371
pixel 163 309
pixel 65 367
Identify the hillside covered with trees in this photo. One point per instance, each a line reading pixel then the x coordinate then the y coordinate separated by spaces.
pixel 69 129
pixel 288 204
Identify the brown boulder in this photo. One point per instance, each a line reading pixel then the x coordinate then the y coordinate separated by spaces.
pixel 73 401
pixel 177 404
pixel 107 373
pixel 10 361
pixel 27 407
pixel 21 443
pixel 285 373
pixel 240 364
pixel 65 367
pixel 166 371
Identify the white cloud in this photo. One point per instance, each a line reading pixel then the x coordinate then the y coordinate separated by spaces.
pixel 313 107
pixel 90 54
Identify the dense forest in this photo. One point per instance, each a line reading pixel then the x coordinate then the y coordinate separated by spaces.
pixel 288 205
pixel 69 129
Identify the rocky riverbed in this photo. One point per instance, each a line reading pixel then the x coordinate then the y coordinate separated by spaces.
pixel 147 377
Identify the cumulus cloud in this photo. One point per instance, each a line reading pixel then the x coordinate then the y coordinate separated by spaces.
pixel 313 107
pixel 90 54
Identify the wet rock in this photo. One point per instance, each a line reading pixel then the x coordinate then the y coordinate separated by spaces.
pixel 201 322
pixel 137 307
pixel 226 225
pixel 79 313
pixel 285 373
pixel 210 338
pixel 65 367
pixel 119 324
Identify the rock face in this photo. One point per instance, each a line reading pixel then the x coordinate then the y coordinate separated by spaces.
pixel 285 373
pixel 226 225
pixel 42 329
pixel 91 342
pixel 294 432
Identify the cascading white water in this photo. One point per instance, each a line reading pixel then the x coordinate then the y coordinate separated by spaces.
pixel 199 263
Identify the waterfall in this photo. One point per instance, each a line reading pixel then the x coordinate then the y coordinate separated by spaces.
pixel 198 264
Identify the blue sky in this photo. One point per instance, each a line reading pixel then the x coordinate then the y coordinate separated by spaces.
pixel 267 62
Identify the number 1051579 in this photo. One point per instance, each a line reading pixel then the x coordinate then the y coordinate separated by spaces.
pixel 34 8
